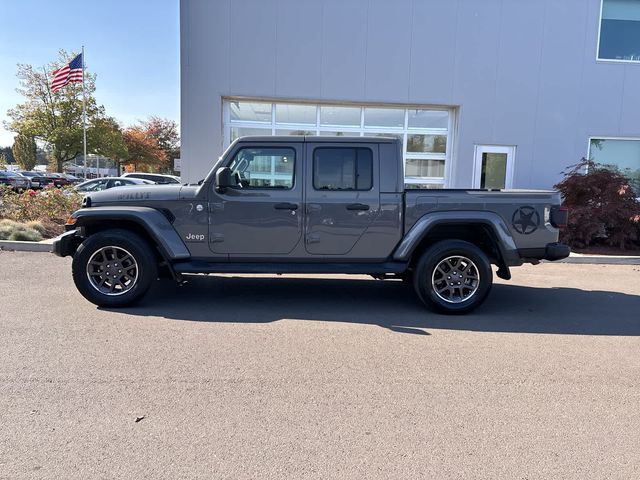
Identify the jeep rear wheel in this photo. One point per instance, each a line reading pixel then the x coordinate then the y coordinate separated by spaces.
pixel 453 277
pixel 114 268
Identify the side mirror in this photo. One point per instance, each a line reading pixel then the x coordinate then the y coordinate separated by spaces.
pixel 224 179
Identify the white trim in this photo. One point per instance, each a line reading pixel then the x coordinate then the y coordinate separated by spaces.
pixel 599 31
pixel 607 60
pixel 452 132
pixel 613 60
pixel 509 150
pixel 609 137
pixel 419 180
pixel 336 103
pixel 226 132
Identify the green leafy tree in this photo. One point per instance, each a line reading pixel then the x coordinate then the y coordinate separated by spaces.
pixel 8 154
pixel 42 156
pixel 109 140
pixel 24 151
pixel 55 118
pixel 3 161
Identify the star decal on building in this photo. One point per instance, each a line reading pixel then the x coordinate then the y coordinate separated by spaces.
pixel 525 220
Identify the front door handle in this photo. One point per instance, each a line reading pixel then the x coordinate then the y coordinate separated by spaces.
pixel 286 206
pixel 357 206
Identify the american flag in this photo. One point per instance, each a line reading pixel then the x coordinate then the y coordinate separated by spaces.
pixel 70 73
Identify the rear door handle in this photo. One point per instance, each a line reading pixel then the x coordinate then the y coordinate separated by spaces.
pixel 357 206
pixel 286 206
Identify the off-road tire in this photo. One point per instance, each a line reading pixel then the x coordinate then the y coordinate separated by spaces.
pixel 428 280
pixel 146 267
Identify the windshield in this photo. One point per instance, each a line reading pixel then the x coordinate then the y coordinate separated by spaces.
pixel 93 186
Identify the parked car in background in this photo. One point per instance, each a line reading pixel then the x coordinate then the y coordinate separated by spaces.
pixel 14 180
pixel 72 178
pixel 58 179
pixel 38 180
pixel 105 183
pixel 154 177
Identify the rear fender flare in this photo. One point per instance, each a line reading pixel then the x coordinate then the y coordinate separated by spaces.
pixel 505 243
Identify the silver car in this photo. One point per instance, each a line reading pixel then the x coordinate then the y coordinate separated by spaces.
pixel 105 183
pixel 14 180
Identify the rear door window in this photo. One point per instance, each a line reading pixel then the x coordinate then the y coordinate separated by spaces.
pixel 337 168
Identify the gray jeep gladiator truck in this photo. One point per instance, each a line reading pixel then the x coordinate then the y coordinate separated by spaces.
pixel 310 205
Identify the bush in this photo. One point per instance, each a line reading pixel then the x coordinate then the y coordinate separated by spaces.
pixel 49 207
pixel 26 235
pixel 603 209
pixel 6 229
pixel 37 226
pixel 10 230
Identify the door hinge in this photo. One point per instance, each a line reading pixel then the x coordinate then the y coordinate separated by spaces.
pixel 216 237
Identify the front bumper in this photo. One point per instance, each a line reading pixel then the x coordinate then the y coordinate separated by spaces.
pixel 65 244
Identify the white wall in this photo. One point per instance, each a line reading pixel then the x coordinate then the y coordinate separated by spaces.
pixel 522 73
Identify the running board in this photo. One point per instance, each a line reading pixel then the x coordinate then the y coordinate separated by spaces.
pixel 196 266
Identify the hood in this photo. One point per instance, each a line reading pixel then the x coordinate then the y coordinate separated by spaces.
pixel 133 195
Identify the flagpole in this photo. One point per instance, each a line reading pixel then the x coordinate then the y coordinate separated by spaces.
pixel 84 121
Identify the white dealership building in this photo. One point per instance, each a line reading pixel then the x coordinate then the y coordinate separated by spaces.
pixel 482 93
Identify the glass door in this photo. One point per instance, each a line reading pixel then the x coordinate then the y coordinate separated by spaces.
pixel 493 166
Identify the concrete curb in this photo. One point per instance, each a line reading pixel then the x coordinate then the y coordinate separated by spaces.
pixel 580 258
pixel 43 246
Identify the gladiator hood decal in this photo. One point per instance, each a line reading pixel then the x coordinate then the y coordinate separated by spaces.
pixel 135 194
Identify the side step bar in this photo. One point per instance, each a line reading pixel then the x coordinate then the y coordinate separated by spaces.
pixel 196 266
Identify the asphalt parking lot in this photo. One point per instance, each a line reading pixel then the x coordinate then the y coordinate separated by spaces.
pixel 320 377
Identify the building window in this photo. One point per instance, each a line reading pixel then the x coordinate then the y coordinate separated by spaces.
pixel 622 155
pixel 620 30
pixel 425 132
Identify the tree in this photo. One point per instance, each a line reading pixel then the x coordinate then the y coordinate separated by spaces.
pixel 3 161
pixel 8 154
pixel 109 140
pixel 55 118
pixel 165 133
pixel 24 151
pixel 42 156
pixel 143 150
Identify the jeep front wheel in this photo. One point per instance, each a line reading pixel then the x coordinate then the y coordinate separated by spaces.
pixel 114 268
pixel 453 277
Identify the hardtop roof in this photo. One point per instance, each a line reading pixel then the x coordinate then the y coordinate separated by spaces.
pixel 314 139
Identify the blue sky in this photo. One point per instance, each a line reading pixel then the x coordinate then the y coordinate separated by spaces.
pixel 132 46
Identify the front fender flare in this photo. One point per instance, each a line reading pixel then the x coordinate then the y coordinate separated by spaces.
pixel 420 230
pixel 151 220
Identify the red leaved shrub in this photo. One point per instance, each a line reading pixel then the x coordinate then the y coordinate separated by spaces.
pixel 603 209
pixel 50 207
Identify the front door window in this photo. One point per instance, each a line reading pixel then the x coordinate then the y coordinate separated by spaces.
pixel 260 168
